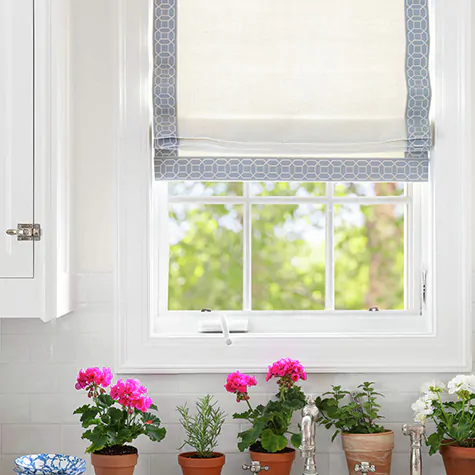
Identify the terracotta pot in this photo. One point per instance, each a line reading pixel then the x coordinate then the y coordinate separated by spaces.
pixel 197 466
pixel 373 448
pixel 114 464
pixel 458 460
pixel 279 464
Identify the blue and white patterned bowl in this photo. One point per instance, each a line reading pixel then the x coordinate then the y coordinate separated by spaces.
pixel 41 464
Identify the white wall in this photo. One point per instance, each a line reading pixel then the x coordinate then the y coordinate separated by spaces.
pixel 38 362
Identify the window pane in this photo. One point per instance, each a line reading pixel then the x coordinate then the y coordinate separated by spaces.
pixel 205 269
pixel 369 189
pixel 369 257
pixel 288 257
pixel 272 188
pixel 204 188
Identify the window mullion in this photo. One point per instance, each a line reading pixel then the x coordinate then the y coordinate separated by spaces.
pixel 247 248
pixel 329 250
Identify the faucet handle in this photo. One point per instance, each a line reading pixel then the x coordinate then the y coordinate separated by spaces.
pixel 365 467
pixel 416 429
pixel 255 467
pixel 415 432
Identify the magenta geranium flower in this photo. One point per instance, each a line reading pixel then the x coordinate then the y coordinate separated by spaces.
pixel 92 379
pixel 131 394
pixel 287 371
pixel 238 383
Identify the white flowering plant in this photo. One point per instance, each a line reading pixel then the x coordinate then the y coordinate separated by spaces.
pixel 451 407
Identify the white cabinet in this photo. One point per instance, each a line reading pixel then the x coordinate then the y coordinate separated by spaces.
pixel 34 157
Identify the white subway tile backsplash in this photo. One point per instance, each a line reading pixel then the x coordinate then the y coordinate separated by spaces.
pixel 169 445
pixel 336 464
pixel 71 442
pixel 23 326
pixel 31 378
pixel 165 464
pixel 14 349
pixel 143 465
pixel 228 439
pixel 63 348
pixel 30 438
pixel 45 409
pixel 14 408
pixel 94 288
pixel 233 465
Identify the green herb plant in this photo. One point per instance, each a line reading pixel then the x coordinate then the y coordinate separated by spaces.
pixel 352 413
pixel 203 428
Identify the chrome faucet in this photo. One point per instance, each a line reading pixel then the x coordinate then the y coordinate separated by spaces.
pixel 308 447
pixel 415 432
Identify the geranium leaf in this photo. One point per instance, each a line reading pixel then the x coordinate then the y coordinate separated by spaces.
pixel 296 440
pixel 98 438
pixel 104 401
pixel 250 436
pixel 273 442
pixel 154 433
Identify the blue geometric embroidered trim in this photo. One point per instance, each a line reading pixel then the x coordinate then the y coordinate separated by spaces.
pixel 419 134
pixel 164 79
pixel 292 169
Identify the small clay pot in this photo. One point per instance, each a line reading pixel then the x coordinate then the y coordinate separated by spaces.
pixel 458 460
pixel 279 464
pixel 373 448
pixel 114 464
pixel 201 466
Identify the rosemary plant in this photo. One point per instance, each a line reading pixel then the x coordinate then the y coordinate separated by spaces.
pixel 203 428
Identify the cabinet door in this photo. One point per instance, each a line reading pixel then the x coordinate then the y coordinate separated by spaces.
pixel 16 135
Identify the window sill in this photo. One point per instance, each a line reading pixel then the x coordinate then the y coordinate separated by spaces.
pixel 304 324
pixel 322 354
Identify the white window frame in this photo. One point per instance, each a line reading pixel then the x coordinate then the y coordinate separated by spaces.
pixel 438 340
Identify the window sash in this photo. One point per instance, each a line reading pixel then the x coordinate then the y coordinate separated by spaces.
pixel 411 199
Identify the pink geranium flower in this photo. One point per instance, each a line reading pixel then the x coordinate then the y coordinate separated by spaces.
pixel 287 371
pixel 93 379
pixel 238 383
pixel 131 394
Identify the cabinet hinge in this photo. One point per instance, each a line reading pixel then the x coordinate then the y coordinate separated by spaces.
pixel 26 232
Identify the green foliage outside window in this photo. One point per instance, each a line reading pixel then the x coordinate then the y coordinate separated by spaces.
pixel 288 250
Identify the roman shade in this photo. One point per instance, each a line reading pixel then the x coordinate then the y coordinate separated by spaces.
pixel 285 90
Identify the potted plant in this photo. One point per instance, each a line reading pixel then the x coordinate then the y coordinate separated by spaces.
pixel 451 409
pixel 116 416
pixel 267 439
pixel 202 432
pixel 355 416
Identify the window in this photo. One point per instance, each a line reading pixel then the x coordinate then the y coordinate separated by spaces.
pixel 436 339
pixel 289 246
